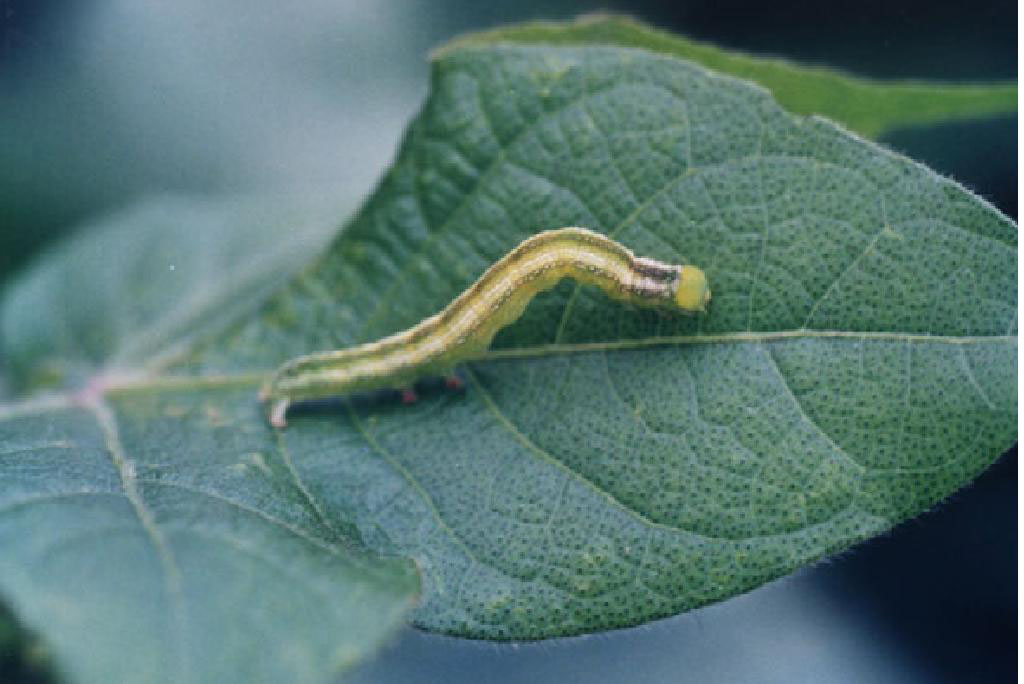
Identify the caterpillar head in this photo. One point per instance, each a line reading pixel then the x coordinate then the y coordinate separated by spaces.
pixel 693 293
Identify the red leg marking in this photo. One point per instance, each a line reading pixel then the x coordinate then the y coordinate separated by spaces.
pixel 454 382
pixel 409 396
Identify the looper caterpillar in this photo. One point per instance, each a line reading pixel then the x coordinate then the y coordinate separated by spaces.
pixel 465 328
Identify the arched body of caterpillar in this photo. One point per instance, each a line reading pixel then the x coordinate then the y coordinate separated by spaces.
pixel 465 328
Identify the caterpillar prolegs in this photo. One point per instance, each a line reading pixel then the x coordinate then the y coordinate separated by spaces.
pixel 465 328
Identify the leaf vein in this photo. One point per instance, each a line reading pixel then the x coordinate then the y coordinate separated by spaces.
pixel 107 421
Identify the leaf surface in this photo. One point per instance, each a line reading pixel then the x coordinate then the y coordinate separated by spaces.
pixel 604 466
pixel 169 541
pixel 607 466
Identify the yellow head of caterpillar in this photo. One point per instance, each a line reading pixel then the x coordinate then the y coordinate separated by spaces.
pixel 693 293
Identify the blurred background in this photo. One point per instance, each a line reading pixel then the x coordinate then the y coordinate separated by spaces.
pixel 104 103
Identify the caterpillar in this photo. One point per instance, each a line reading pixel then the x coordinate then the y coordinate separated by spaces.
pixel 465 328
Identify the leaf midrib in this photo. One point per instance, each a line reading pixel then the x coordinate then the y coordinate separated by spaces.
pixel 126 381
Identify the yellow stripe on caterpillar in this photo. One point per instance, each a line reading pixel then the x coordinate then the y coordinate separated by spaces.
pixel 465 328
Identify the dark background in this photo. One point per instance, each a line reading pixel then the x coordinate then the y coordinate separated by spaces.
pixel 102 103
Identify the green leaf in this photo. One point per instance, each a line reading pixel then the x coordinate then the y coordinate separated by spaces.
pixel 867 106
pixel 604 466
pixel 607 466
pixel 169 541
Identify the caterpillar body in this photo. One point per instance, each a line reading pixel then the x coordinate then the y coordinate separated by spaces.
pixel 465 328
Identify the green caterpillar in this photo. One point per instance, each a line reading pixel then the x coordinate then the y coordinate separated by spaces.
pixel 465 328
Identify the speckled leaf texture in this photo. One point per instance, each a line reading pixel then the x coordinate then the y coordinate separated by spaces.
pixel 604 466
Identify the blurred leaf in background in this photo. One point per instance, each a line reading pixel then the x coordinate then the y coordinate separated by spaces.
pixel 871 108
pixel 136 288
